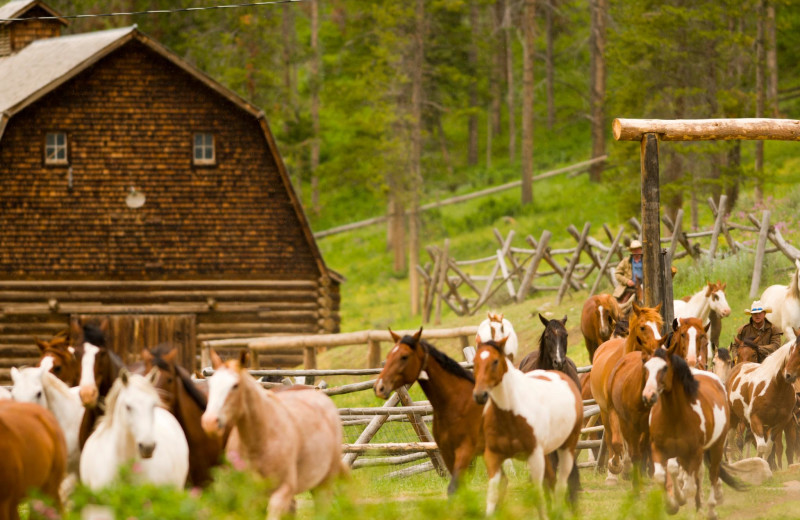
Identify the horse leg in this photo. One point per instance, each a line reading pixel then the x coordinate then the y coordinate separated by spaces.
pixel 763 444
pixel 536 466
pixel 677 475
pixel 280 502
pixel 462 460
pixel 776 453
pixel 714 461
pixel 497 480
pixel 566 464
pixel 660 476
pixel 615 446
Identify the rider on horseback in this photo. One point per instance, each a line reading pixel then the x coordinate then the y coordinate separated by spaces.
pixel 760 331
pixel 629 273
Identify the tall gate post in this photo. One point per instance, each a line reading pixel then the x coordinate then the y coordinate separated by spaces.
pixel 653 262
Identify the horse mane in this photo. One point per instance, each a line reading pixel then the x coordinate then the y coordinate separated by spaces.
pixel 775 361
pixel 49 380
pixel 724 354
pixel 447 363
pixel 94 335
pixel 107 419
pixel 186 379
pixel 681 373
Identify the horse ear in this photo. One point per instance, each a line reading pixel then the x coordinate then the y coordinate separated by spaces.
pixel 675 324
pixel 41 344
pixel 545 321
pixel 124 375
pixel 105 326
pixel 658 308
pixel 500 317
pixel 147 356
pixel 418 334
pixel 564 320
pixel 152 376
pixel 502 344
pixel 171 356
pixel 489 315
pixel 14 374
pixel 244 358
pixel 636 309
pixel 216 361
pixel 396 337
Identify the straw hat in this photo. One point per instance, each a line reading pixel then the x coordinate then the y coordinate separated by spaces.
pixel 757 307
pixel 634 245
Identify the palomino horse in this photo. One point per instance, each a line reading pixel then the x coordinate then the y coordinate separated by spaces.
pixel 135 428
pixel 457 419
pixel 183 398
pixel 291 438
pixel 496 327
pixel 527 415
pixel 762 396
pixel 785 304
pixel 34 455
pixel 39 385
pixel 598 319
pixel 688 421
pixel 66 365
pixel 645 333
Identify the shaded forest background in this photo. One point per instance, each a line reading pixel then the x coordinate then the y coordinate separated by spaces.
pixel 382 105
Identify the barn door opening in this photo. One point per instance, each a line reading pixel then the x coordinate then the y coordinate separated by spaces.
pixel 129 334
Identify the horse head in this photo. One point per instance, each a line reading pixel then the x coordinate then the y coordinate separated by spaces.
pixel 792 368
pixel 715 292
pixel 722 364
pixel 99 366
pixel 167 378
pixel 621 329
pixel 662 370
pixel 691 341
pixel 553 344
pixel 607 320
pixel 225 400
pixel 746 351
pixel 491 365
pixel 645 329
pixel 404 364
pixel 131 405
pixel 28 386
pixel 65 363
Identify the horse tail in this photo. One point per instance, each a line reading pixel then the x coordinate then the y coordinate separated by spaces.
pixel 574 484
pixel 726 473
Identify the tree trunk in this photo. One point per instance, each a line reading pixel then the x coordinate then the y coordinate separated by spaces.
pixel 550 66
pixel 597 78
pixel 508 27
pixel 734 173
pixel 498 66
pixel 398 234
pixel 772 62
pixel 289 83
pixel 416 151
pixel 760 96
pixel 529 52
pixel 472 145
pixel 315 81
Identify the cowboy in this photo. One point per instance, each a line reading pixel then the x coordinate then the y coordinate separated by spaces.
pixel 629 272
pixel 760 331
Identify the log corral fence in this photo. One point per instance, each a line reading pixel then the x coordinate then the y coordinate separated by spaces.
pixel 649 132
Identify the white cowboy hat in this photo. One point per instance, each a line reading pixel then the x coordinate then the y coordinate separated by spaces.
pixel 757 307
pixel 635 245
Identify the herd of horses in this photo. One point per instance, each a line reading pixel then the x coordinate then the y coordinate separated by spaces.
pixel 669 403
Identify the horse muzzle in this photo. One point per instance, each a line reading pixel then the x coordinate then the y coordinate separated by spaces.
pixel 211 423
pixel 146 449
pixel 480 396
pixel 649 399
pixel 89 396
pixel 381 390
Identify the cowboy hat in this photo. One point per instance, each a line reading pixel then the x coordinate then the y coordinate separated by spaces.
pixel 757 307
pixel 635 245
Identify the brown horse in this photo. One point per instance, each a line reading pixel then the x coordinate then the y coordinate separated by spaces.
pixel 66 365
pixel 34 455
pixel 186 401
pixel 526 415
pixel 688 421
pixel 692 340
pixel 292 438
pixel 598 320
pixel 645 333
pixel 748 352
pixel 457 419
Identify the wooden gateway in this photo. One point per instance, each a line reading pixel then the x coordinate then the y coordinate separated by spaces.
pixel 133 186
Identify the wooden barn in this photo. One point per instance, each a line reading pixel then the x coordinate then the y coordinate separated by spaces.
pixel 135 187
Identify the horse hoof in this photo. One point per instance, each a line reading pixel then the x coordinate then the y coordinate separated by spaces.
pixel 672 506
pixel 611 480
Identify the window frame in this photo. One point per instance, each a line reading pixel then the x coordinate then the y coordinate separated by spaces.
pixel 56 147
pixel 204 146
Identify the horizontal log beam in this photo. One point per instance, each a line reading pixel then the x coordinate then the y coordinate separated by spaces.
pixel 758 129
pixel 390 447
pixel 47 285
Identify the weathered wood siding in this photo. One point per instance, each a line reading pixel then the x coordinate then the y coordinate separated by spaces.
pixel 23 32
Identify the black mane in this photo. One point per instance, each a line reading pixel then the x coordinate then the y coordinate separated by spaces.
pixel 94 335
pixel 724 354
pixel 446 362
pixel 681 373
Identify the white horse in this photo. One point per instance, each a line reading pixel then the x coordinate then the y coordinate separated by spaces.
pixel 785 304
pixel 710 298
pixel 135 429
pixel 39 385
pixel 4 394
pixel 495 327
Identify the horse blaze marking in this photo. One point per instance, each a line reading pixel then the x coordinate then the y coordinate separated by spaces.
pixel 484 354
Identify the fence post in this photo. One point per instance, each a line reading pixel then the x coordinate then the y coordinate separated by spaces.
pixel 374 357
pixel 759 263
pixel 541 248
pixel 572 263
pixel 606 261
pixel 444 266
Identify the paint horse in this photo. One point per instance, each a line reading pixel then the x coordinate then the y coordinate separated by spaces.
pixel 66 365
pixel 34 455
pixel 135 428
pixel 495 327
pixel 292 438
pixel 688 421
pixel 785 304
pixel 709 305
pixel 645 333
pixel 598 319
pixel 181 396
pixel 457 418
pixel 762 396
pixel 527 415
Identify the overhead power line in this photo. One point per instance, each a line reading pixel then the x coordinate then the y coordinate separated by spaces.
pixel 154 11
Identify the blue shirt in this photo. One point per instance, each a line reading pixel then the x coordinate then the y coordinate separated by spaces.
pixel 638 270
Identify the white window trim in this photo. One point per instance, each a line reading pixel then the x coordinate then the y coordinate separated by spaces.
pixel 213 146
pixel 56 147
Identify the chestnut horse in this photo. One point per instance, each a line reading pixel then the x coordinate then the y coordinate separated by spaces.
pixel 291 438
pixel 527 415
pixel 457 418
pixel 763 396
pixel 181 396
pixel 66 365
pixel 688 421
pixel 645 333
pixel 34 455
pixel 598 320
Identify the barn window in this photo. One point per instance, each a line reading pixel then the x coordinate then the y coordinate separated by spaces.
pixel 55 148
pixel 204 148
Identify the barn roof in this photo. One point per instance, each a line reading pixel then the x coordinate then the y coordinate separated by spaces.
pixel 44 65
pixel 17 8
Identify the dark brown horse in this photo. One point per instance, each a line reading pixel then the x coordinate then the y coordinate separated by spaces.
pixel 457 419
pixel 66 365
pixel 187 403
pixel 688 421
pixel 34 455
pixel 598 320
